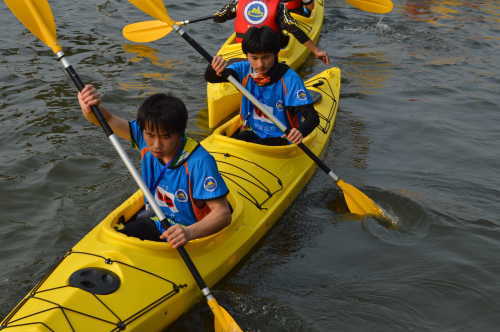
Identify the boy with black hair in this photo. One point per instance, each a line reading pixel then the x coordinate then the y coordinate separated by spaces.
pixel 272 83
pixel 180 173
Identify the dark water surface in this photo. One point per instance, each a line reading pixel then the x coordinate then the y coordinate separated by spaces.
pixel 418 131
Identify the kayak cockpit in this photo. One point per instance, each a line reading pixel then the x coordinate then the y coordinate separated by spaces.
pixel 222 135
pixel 134 204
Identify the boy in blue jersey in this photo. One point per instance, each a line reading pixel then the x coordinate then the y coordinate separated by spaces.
pixel 180 173
pixel 273 84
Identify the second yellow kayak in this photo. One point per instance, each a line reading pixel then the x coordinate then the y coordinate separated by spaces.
pixel 223 99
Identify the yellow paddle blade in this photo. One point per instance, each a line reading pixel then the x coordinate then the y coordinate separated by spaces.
pixel 147 31
pixel 372 6
pixel 37 17
pixel 357 202
pixel 223 321
pixel 154 8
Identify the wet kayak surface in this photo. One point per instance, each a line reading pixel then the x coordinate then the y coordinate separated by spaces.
pixel 417 131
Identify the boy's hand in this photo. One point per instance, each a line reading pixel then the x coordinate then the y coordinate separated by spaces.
pixel 295 136
pixel 218 64
pixel 177 235
pixel 87 98
pixel 322 55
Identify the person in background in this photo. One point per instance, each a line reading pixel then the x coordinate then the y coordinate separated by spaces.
pixel 271 13
pixel 301 7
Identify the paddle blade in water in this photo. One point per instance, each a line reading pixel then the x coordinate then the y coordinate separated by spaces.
pixel 359 203
pixel 154 8
pixel 223 320
pixel 37 17
pixel 372 6
pixel 147 31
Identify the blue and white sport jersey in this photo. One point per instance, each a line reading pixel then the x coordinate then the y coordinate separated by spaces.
pixel 175 186
pixel 287 92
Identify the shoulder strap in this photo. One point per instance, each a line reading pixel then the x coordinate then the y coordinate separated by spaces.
pixel 189 147
pixel 144 151
pixel 244 82
pixel 292 117
pixel 200 208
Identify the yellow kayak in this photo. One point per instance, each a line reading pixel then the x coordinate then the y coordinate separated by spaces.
pixel 110 282
pixel 223 99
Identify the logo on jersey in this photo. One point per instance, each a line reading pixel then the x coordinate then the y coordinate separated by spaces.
pixel 279 104
pixel 181 196
pixel 255 12
pixel 301 94
pixel 210 184
pixel 165 199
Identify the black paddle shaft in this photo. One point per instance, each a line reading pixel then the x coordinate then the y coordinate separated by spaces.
pixel 192 268
pixel 95 109
pixel 314 157
pixel 200 19
pixel 194 44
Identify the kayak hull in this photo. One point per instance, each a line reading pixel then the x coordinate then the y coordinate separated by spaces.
pixel 223 99
pixel 154 287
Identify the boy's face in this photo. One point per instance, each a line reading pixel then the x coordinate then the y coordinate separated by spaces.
pixel 261 62
pixel 161 144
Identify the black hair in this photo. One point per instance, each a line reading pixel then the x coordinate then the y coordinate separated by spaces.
pixel 163 112
pixel 261 40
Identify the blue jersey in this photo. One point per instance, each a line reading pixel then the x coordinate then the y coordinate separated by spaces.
pixel 175 186
pixel 286 92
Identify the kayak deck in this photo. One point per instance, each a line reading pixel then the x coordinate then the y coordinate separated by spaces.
pixel 154 285
pixel 223 99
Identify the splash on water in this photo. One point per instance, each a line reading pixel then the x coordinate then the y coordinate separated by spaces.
pixel 382 27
